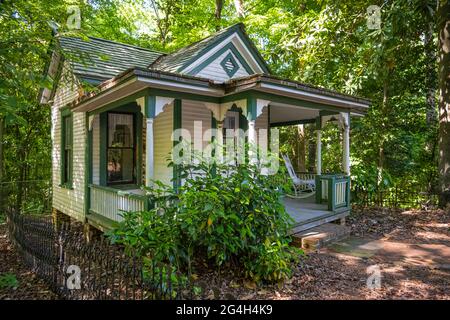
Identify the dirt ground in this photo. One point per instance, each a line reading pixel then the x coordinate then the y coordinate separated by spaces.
pixel 409 250
pixel 27 285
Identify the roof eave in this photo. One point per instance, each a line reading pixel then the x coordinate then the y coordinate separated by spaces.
pixel 138 79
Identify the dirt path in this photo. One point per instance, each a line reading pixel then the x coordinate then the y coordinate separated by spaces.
pixel 410 250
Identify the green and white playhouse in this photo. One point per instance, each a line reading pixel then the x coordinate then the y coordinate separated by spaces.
pixel 109 142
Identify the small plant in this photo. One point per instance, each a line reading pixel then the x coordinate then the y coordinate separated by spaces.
pixel 224 214
pixel 8 281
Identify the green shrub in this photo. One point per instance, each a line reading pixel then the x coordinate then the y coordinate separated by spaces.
pixel 224 214
pixel 8 280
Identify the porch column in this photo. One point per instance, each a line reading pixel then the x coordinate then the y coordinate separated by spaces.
pixel 150 102
pixel 254 110
pixel 151 107
pixel 346 146
pixel 319 152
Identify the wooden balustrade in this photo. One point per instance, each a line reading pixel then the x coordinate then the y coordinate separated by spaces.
pixel 109 202
pixel 333 189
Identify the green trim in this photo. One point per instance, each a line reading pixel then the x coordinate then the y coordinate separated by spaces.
pixel 66 113
pixel 213 138
pixel 150 106
pixel 235 65
pixel 177 123
pixel 100 222
pixel 87 166
pixel 139 149
pixel 182 95
pixel 134 109
pixel 251 108
pixel 230 46
pixel 279 99
pixel 327 113
pixel 318 123
pixel 250 46
pixel 331 193
pixel 118 103
pixel 291 123
pixel 103 147
pixel 117 191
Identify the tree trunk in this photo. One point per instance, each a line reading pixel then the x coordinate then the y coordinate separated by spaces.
pixel 1 148
pixel 381 145
pixel 218 13
pixel 430 80
pixel 444 101
pixel 2 186
pixel 239 8
pixel 310 132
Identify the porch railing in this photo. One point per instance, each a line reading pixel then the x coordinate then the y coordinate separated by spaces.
pixel 334 190
pixel 109 202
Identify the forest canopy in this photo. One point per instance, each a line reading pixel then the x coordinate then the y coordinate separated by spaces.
pixel 325 43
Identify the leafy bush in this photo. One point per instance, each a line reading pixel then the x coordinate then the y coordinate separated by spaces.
pixel 8 280
pixel 224 214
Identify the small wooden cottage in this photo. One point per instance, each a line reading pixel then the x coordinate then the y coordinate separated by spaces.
pixel 109 142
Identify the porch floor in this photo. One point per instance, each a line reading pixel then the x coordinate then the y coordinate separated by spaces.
pixel 308 214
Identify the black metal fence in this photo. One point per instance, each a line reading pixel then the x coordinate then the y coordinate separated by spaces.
pixel 77 269
pixel 409 197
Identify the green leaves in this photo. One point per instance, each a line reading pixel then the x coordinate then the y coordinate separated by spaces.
pixel 224 215
pixel 8 280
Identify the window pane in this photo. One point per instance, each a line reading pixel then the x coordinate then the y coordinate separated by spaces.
pixel 68 133
pixel 120 165
pixel 120 130
pixel 66 177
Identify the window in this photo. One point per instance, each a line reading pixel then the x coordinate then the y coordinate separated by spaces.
pixel 66 148
pixel 121 148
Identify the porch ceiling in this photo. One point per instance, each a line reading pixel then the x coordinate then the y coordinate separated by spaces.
pixel 284 113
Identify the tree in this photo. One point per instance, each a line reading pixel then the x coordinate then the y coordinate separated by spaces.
pixel 443 18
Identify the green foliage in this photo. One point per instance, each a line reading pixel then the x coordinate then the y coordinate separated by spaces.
pixel 227 215
pixel 8 281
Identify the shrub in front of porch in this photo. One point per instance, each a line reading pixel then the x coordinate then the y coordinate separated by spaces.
pixel 227 216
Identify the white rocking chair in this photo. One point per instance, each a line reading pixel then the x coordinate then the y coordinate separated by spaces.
pixel 303 188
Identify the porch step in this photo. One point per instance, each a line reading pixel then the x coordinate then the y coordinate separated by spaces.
pixel 320 236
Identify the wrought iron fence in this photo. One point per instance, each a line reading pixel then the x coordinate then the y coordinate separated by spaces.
pixel 408 197
pixel 96 270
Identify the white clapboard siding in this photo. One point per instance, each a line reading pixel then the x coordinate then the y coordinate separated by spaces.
pixel 196 112
pixel 96 150
pixel 68 201
pixel 162 128
pixel 215 71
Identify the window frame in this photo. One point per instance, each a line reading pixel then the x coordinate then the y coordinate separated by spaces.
pixel 134 149
pixel 66 128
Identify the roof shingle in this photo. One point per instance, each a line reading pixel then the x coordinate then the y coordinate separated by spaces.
pixel 101 59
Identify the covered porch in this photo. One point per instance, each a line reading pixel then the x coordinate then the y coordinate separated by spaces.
pixel 157 105
pixel 330 201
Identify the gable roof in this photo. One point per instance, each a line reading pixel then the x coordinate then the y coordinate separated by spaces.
pixel 179 60
pixel 100 60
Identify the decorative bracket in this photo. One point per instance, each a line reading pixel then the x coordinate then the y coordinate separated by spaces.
pixel 159 104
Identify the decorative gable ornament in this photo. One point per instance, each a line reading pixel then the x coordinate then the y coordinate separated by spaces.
pixel 230 65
